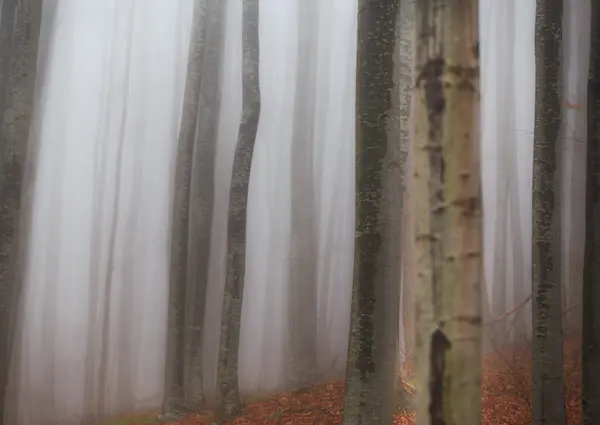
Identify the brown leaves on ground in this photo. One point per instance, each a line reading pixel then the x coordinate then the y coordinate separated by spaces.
pixel 506 396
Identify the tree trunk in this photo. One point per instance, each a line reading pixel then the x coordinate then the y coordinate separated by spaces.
pixel 591 270
pixel 202 194
pixel 372 346
pixel 548 401
pixel 448 213
pixel 304 243
pixel 20 22
pixel 227 368
pixel 174 400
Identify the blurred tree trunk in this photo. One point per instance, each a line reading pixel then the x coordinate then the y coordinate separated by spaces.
pixel 202 197
pixel 548 401
pixel 448 213
pixel 20 22
pixel 372 347
pixel 591 270
pixel 174 399
pixel 405 79
pixel 227 369
pixel 304 244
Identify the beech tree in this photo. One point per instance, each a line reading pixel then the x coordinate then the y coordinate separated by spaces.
pixel 20 23
pixel 227 369
pixel 448 213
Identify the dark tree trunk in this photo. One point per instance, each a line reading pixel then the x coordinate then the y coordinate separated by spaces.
pixel 372 346
pixel 20 22
pixel 548 400
pixel 591 270
pixel 227 369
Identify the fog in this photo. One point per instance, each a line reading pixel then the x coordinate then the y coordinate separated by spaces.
pixel 92 322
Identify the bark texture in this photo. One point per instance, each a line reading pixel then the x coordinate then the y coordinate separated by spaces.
pixel 372 346
pixel 304 244
pixel 548 401
pixel 20 22
pixel 591 269
pixel 448 213
pixel 227 369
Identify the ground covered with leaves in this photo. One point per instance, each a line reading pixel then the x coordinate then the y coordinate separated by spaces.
pixel 506 397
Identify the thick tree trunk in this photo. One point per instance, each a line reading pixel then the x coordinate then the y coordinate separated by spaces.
pixel 547 366
pixel 227 370
pixel 304 243
pixel 372 346
pixel 448 213
pixel 20 22
pixel 591 269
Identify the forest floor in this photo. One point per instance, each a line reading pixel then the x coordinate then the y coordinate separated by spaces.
pixel 506 397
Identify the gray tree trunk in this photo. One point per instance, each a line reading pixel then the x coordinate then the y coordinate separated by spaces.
pixel 372 346
pixel 174 400
pixel 202 201
pixel 227 369
pixel 548 400
pixel 590 351
pixel 304 243
pixel 20 22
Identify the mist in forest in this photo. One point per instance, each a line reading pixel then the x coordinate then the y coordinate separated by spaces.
pixel 123 261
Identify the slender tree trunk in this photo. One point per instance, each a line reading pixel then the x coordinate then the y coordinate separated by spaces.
pixel 174 401
pixel 202 194
pixel 304 243
pixel 591 269
pixel 372 346
pixel 20 22
pixel 547 379
pixel 448 213
pixel 227 368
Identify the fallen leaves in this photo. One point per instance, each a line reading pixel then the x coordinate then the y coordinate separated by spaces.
pixel 506 396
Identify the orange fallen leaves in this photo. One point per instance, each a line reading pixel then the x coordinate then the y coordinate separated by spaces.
pixel 506 394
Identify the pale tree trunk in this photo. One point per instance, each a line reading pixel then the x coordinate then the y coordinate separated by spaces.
pixel 590 349
pixel 547 366
pixel 202 194
pixel 227 369
pixel 304 243
pixel 448 213
pixel 405 79
pixel 372 347
pixel 174 399
pixel 20 22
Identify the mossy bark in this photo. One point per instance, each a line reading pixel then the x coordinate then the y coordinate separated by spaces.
pixel 227 369
pixel 590 350
pixel 548 400
pixel 372 346
pixel 20 23
pixel 448 213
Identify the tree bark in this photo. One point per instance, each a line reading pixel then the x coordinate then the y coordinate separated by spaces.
pixel 372 346
pixel 448 213
pixel 548 401
pixel 227 369
pixel 591 270
pixel 20 22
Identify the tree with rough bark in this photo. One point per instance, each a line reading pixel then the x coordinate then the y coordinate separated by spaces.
pixel 448 213
pixel 20 23
pixel 548 401
pixel 372 347
pixel 193 210
pixel 304 238
pixel 590 350
pixel 228 398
